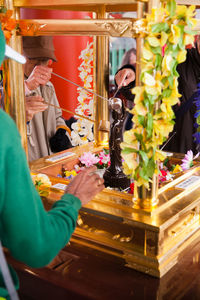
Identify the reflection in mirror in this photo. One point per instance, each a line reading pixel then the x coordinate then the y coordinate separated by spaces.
pixel 49 77
pixel 122 53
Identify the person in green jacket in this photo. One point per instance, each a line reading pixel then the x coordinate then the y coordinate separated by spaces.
pixel 33 235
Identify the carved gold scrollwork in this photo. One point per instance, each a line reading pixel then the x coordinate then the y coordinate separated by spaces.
pixel 115 28
pixel 116 237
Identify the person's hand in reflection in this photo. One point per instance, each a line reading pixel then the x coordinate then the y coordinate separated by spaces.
pixel 86 185
pixel 34 104
pixel 40 75
pixel 124 77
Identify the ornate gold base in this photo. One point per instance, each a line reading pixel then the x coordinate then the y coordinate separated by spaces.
pixel 149 235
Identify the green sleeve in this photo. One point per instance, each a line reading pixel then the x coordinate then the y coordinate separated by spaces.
pixel 33 235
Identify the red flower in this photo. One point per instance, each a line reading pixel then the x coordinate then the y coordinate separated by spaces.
pixel 132 188
pixel 163 172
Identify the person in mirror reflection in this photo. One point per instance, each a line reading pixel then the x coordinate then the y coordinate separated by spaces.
pixel 189 77
pixel 125 77
pixel 46 129
pixel 33 235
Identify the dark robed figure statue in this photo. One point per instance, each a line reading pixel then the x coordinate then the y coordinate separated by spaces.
pixel 114 176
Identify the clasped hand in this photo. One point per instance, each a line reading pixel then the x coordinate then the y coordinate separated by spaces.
pixel 86 185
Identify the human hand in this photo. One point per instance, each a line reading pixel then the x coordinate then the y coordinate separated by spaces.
pixel 34 104
pixel 86 185
pixel 40 75
pixel 124 77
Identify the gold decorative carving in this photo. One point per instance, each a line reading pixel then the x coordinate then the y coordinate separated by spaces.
pixel 116 237
pixel 115 28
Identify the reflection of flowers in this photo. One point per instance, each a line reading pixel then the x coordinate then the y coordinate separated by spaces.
pixel 82 130
pixel 104 159
pixel 187 162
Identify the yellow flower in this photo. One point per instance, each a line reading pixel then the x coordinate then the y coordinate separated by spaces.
pixel 175 34
pixel 162 128
pixel 164 38
pixel 44 179
pixel 153 41
pixel 147 54
pixel 140 109
pixel 167 59
pixel 148 79
pixel 177 169
pixel 160 155
pixel 188 39
pixel 129 138
pixel 138 92
pixel 184 11
pixel 130 163
pixel 181 57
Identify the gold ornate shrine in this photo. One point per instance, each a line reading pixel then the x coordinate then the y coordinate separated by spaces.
pixel 148 240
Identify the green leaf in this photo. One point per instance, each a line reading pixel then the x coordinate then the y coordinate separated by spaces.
pixel 141 120
pixel 143 173
pixel 156 50
pixel 149 125
pixel 167 93
pixel 164 80
pixel 172 64
pixel 151 167
pixel 171 7
pixel 144 157
pixel 171 79
pixel 158 61
pixel 138 136
pixel 159 27
pixel 129 150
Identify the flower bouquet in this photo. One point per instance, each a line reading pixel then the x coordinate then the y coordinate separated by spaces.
pixel 42 184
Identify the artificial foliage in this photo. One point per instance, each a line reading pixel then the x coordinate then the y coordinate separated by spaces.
pixel 166 32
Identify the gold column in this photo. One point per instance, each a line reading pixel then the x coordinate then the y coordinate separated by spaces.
pixel 102 73
pixel 17 107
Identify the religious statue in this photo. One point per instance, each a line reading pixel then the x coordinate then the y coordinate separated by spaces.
pixel 114 176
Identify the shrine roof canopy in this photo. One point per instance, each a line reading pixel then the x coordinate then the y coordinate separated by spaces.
pixel 89 5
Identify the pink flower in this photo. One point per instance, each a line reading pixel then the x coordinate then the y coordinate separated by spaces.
pixel 187 161
pixel 89 159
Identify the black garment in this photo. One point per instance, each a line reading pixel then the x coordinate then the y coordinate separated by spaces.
pixel 189 72
pixel 126 92
pixel 60 141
